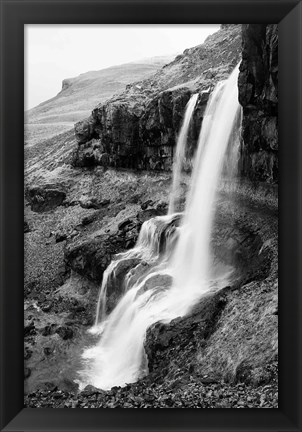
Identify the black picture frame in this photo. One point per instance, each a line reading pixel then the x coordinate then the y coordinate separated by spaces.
pixel 16 13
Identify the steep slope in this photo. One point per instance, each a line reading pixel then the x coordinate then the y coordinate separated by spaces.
pixel 80 94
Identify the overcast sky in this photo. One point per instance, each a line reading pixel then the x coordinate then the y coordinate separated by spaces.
pixel 54 52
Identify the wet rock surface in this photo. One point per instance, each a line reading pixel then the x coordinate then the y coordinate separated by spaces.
pixel 168 346
pixel 258 95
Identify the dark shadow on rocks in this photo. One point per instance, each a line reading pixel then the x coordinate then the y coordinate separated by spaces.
pixel 45 197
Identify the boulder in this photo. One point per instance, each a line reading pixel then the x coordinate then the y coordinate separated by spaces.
pixel 30 329
pixel 26 227
pixel 60 236
pixel 116 284
pixel 49 330
pixel 47 351
pixel 88 154
pixel 146 204
pixel 171 346
pixel 144 215
pixel 125 224
pixel 27 353
pixel 45 197
pixel 89 219
pixel 65 332
pixel 91 257
pixel 84 130
pixel 93 202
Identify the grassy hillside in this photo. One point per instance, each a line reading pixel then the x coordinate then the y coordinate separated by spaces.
pixel 81 94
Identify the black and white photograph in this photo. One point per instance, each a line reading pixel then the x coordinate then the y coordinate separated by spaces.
pixel 151 215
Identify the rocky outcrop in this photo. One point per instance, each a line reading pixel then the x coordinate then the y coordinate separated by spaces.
pixel 45 197
pixel 258 95
pixel 231 334
pixel 138 128
pixel 169 346
pixel 91 257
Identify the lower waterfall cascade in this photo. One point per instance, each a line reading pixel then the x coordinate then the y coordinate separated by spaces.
pixel 173 275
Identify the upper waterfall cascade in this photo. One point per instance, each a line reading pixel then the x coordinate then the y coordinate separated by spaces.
pixel 180 151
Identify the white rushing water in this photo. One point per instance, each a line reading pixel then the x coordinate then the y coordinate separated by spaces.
pixel 172 282
pixel 147 249
pixel 180 151
pixel 191 261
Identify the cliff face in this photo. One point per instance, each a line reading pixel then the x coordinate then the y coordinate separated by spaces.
pixel 138 128
pixel 258 95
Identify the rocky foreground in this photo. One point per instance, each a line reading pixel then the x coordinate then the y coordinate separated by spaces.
pixel 196 392
pixel 223 354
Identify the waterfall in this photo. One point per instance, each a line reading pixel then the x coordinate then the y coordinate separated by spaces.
pixel 180 152
pixel 192 258
pixel 148 248
pixel 177 274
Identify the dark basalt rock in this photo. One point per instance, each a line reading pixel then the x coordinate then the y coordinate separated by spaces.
pixel 27 373
pixel 88 154
pixel 47 351
pixel 60 236
pixel 90 390
pixel 146 204
pixel 92 202
pixel 45 197
pixel 143 216
pixel 258 95
pixel 27 353
pixel 89 203
pixel 30 329
pixel 49 330
pixel 26 227
pixel 90 258
pixel 65 332
pixel 84 130
pixel 89 219
pixel 122 226
pixel 170 346
pixel 46 307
